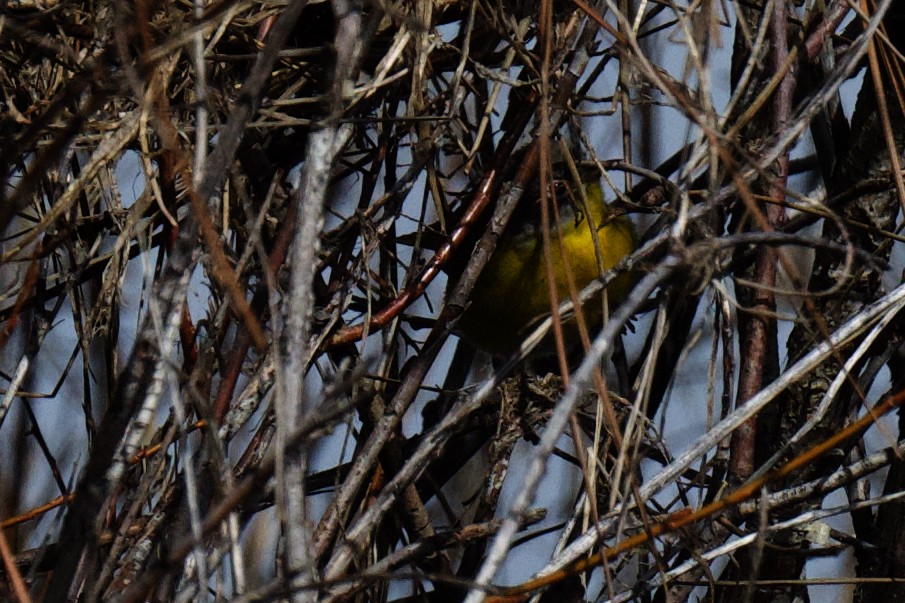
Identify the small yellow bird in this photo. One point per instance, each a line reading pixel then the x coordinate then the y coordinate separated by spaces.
pixel 512 294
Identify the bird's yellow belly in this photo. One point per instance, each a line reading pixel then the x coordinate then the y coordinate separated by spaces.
pixel 512 292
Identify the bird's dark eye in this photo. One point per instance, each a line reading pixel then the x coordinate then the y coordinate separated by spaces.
pixel 561 189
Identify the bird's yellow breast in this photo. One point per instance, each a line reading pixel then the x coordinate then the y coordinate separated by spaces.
pixel 512 291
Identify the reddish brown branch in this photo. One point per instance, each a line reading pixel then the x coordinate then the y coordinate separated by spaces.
pixel 686 517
